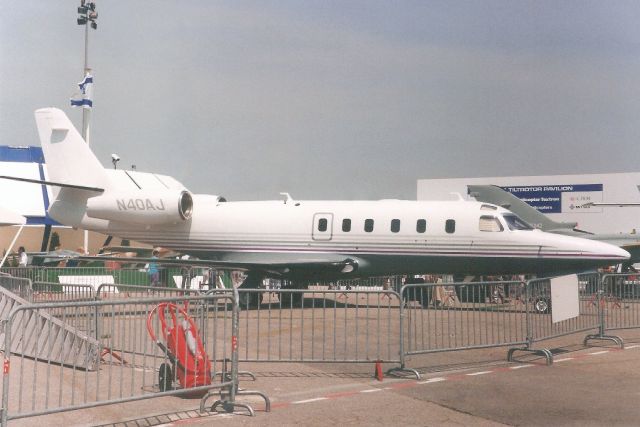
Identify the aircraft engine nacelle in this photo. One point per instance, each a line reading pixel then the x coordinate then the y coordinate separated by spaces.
pixel 142 208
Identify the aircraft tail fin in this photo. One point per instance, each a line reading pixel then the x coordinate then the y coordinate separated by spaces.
pixel 68 158
pixel 497 196
pixel 74 172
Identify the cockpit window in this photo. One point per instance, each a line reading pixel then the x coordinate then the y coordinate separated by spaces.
pixel 490 223
pixel 516 223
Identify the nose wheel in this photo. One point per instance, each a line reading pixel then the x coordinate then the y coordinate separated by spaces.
pixel 542 305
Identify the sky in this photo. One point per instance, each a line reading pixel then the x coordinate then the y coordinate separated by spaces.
pixel 334 99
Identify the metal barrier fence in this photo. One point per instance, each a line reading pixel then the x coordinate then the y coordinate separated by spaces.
pixel 19 286
pixel 56 292
pixel 461 316
pixel 343 322
pixel 319 325
pixel 133 365
pixel 107 291
pixel 93 275
pixel 541 326
pixel 440 317
pixel 619 301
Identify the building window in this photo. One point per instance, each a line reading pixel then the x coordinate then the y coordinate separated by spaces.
pixel 346 225
pixel 368 225
pixel 421 225
pixel 395 225
pixel 322 224
pixel 450 226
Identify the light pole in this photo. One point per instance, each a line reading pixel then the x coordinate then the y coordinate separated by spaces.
pixel 87 16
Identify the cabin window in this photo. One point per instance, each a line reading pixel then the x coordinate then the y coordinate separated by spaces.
pixel 395 225
pixel 450 226
pixel 368 225
pixel 421 225
pixel 322 224
pixel 346 225
pixel 490 223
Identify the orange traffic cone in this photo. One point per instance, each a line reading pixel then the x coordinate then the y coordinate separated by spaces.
pixel 378 372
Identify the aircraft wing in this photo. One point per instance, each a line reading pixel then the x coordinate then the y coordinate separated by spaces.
pixel 277 268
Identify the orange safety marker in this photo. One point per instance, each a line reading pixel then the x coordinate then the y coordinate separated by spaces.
pixel 378 372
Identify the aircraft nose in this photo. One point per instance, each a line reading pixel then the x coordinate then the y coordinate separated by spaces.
pixel 612 252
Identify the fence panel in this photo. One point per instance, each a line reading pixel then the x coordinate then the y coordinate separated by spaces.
pixel 541 325
pixel 620 301
pixel 133 366
pixel 19 286
pixel 319 325
pixel 457 316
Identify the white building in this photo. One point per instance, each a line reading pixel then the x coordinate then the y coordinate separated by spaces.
pixel 561 197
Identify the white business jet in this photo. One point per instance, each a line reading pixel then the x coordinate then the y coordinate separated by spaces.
pixel 295 239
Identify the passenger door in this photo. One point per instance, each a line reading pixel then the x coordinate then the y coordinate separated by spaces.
pixel 322 226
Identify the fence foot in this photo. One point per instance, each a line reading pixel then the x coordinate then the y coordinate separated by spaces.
pixel 541 352
pixel 230 407
pixel 226 376
pixel 227 405
pixel 267 401
pixel 403 372
pixel 617 340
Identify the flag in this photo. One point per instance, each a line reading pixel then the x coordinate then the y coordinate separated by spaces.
pixel 84 99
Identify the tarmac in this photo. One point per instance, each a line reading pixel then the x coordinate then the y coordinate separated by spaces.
pixel 586 386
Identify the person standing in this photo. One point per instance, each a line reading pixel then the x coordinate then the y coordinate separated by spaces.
pixel 23 259
pixel 153 270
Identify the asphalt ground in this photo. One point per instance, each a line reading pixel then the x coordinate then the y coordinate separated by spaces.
pixel 597 385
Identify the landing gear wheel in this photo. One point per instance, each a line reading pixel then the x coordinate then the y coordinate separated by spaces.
pixel 542 305
pixel 165 377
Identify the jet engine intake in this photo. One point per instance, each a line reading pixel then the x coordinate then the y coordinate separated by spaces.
pixel 143 208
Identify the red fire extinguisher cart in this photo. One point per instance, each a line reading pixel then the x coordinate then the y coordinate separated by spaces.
pixel 179 340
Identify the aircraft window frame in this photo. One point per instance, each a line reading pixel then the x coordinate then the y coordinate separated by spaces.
pixel 323 225
pixel 518 225
pixel 395 225
pixel 488 208
pixel 368 225
pixel 490 221
pixel 450 226
pixel 346 225
pixel 421 225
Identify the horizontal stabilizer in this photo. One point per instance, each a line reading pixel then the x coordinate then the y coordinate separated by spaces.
pixel 56 184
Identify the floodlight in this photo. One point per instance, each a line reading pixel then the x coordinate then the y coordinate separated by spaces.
pixel 82 20
pixel 94 25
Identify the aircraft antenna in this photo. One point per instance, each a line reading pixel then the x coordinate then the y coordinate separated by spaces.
pixel 287 197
